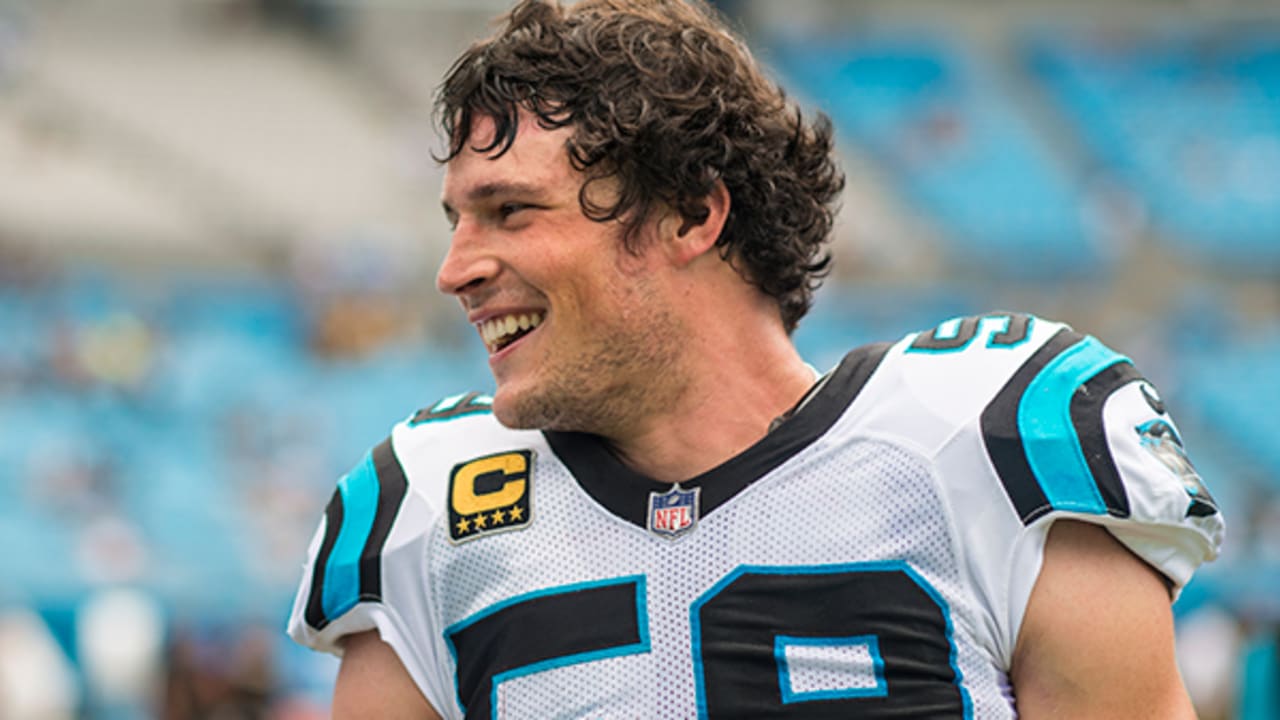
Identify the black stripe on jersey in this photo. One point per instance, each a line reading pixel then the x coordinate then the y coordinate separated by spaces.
pixel 1008 450
pixel 392 486
pixel 1086 417
pixel 625 492
pixel 315 599
pixel 1004 441
pixel 543 630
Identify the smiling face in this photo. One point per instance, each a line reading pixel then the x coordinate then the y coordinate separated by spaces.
pixel 581 333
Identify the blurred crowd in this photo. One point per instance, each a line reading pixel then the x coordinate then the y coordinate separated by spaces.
pixel 168 444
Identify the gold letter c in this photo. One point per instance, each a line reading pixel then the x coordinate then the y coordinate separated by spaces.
pixel 465 499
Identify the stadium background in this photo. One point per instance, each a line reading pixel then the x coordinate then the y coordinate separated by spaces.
pixel 218 231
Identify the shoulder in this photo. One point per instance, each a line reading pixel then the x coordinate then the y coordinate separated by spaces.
pixel 1025 421
pixel 1034 389
pixel 432 442
pixel 1045 422
pixel 930 383
pixel 397 501
pixel 964 363
pixel 421 452
pixel 464 467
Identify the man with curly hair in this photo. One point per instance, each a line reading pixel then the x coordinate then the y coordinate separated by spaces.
pixel 662 511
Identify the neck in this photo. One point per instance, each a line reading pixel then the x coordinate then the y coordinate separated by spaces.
pixel 726 406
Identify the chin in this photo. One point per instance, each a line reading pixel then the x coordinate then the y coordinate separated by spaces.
pixel 505 411
pixel 516 411
pixel 532 411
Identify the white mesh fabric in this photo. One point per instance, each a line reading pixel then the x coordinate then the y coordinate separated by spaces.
pixel 903 480
pixel 830 505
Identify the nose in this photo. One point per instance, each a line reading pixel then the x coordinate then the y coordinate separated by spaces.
pixel 467 266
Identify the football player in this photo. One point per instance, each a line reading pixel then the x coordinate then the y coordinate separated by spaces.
pixel 662 511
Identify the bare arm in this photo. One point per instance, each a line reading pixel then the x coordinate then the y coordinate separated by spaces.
pixel 373 684
pixel 1097 639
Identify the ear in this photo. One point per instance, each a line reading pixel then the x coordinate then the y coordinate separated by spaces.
pixel 688 238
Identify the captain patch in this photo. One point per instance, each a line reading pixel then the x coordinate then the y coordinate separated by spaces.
pixel 490 494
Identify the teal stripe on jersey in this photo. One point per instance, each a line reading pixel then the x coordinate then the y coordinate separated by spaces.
pixel 359 490
pixel 1048 435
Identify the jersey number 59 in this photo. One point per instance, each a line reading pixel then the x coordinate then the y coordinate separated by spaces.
pixel 747 631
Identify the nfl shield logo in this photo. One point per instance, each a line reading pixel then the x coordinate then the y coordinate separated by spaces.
pixel 673 513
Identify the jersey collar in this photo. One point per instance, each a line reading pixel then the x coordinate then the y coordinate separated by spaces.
pixel 625 492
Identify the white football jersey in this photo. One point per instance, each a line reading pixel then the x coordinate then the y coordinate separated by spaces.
pixel 871 557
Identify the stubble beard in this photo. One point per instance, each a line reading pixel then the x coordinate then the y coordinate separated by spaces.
pixel 608 389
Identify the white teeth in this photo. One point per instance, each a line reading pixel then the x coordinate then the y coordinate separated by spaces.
pixel 494 330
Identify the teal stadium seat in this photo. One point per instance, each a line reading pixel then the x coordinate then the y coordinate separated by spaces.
pixel 944 127
pixel 1188 118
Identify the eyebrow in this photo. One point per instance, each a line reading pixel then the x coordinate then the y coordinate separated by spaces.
pixel 491 189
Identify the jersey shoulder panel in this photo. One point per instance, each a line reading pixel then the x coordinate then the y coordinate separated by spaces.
pixel 1026 421
pixel 434 441
pixel 1063 422
pixel 368 563
pixel 1033 390
pixel 932 383
pixel 384 512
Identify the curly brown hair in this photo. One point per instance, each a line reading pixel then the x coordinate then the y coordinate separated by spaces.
pixel 666 100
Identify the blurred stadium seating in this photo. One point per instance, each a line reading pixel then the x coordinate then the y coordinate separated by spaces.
pixel 217 234
pixel 953 141
pixel 1189 117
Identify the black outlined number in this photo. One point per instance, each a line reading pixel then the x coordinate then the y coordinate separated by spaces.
pixel 1002 330
pixel 741 629
pixel 738 624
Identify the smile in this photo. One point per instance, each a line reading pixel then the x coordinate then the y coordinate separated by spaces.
pixel 503 330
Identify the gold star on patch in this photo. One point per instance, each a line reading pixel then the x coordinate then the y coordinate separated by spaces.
pixel 497 517
pixel 516 513
pixel 464 526
pixel 480 522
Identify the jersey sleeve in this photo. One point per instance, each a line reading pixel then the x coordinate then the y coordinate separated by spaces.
pixel 1140 485
pixel 1046 424
pixel 1176 524
pixel 366 570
